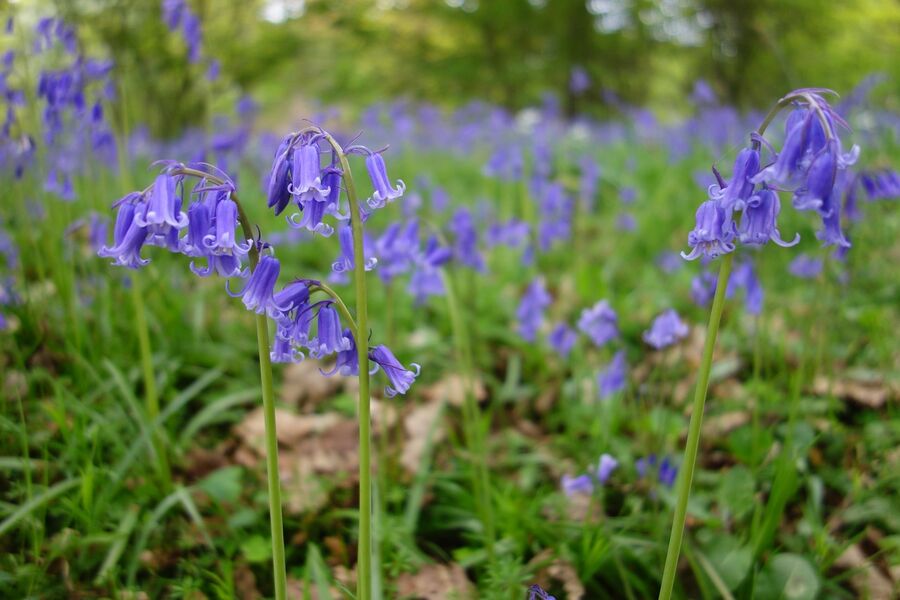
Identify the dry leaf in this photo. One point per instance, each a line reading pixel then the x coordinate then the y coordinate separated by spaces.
pixel 557 569
pixel 417 425
pixel 296 588
pixel 867 580
pixel 452 389
pixel 245 583
pixel 304 385
pixel 435 582
pixel 716 426
pixel 871 393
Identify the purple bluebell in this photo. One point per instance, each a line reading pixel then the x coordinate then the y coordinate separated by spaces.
pixel 626 222
pixel 744 277
pixel 536 592
pixel 703 288
pixel 881 185
pixel 590 176
pixel 643 465
pixel 383 192
pixel 530 312
pixel 669 262
pixel 399 377
pixel 713 234
pixel 759 221
pixel 786 168
pixel 819 183
pixel 614 378
pixel 512 233
pixel 98 228
pixel 605 467
pixel 583 484
pixel 397 248
pixel 579 80
pixel 345 261
pixel 278 194
pixel 666 329
pixel 258 293
pixel 703 94
pixel 465 247
pixel 306 174
pixel 222 239
pixel 283 351
pixel 600 323
pixel 506 163
pixel 740 187
pixel 627 195
pixel 426 279
pixel 128 235
pixel 562 339
pixel 347 361
pixel 330 336
pixel 668 472
pixel 805 267
pixel 163 215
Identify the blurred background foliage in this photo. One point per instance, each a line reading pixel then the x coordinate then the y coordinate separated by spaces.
pixel 351 53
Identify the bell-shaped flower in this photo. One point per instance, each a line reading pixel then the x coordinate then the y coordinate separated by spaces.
pixel 600 323
pixel 739 189
pixel 614 378
pixel 258 293
pixel 383 192
pixel 759 221
pixel 345 261
pixel 713 235
pixel 666 330
pixel 330 336
pixel 399 377
pixel 128 237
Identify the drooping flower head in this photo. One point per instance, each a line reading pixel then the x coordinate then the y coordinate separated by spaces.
pixel 614 378
pixel 605 467
pixel 562 339
pixel 258 294
pixel 399 377
pixel 530 312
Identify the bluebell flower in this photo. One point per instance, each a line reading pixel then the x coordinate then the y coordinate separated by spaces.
pixel 397 248
pixel 713 234
pixel 668 472
pixel 506 163
pixel 759 221
pixel 330 336
pixel 512 233
pixel 258 293
pixel 668 262
pixel 583 484
pixel 703 288
pixel 744 277
pixel 222 240
pixel 306 174
pixel 740 188
pixel 465 247
pixel 347 361
pixel 579 80
pixel 530 312
pixel 345 261
pixel 605 467
pixel 787 166
pixel 278 194
pixel 555 223
pixel 128 236
pixel 536 592
pixel 626 222
pixel 881 185
pixel 294 296
pixel 284 352
pixel 599 323
pixel 199 226
pixel 805 267
pixel 643 465
pixel 590 176
pixel 383 192
pixel 614 378
pixel 666 329
pixel 399 378
pixel 163 216
pixel 819 183
pixel 562 339
pixel 426 279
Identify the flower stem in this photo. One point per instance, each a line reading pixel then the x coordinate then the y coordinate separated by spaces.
pixel 693 439
pixel 279 572
pixel 364 551
pixel 268 397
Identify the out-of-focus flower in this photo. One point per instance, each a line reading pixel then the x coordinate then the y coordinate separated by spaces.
pixel 614 377
pixel 583 484
pixel 562 339
pixel 599 323
pixel 605 467
pixel 530 312
pixel 805 267
pixel 666 330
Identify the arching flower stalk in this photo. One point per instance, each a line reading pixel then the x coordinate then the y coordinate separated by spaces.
pixel 744 211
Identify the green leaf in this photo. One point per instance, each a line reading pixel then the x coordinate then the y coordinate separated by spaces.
pixel 736 491
pixel 223 485
pixel 257 549
pixel 788 577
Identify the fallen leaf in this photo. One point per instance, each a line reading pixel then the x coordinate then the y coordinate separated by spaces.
pixel 553 568
pixel 452 388
pixel 417 425
pixel 303 386
pixel 871 393
pixel 435 582
pixel 867 580
pixel 245 583
pixel 716 426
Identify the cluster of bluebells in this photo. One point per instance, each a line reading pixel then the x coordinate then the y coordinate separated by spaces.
pixel 743 278
pixel 201 222
pixel 536 592
pixel 664 471
pixel 299 177
pixel 810 164
pixel 71 89
pixel 584 484
pixel 667 329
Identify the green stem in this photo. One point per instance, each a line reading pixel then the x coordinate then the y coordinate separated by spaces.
pixel 268 396
pixel 279 572
pixel 364 551
pixel 693 439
